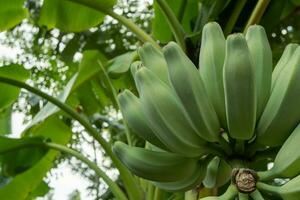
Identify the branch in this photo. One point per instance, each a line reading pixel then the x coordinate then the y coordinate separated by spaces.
pixel 173 23
pixel 258 12
pixel 142 35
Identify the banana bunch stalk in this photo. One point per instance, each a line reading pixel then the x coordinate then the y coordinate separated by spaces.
pixel 202 124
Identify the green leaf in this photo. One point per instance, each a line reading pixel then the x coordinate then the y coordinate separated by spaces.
pixel 72 17
pixel 22 185
pixel 41 190
pixel 88 66
pixel 11 144
pixel 87 99
pixel 12 13
pixel 50 109
pixel 23 151
pixel 185 10
pixel 5 120
pixel 10 93
pixel 120 64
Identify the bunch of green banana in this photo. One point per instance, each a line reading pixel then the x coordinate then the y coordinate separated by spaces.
pixel 197 121
pixel 288 191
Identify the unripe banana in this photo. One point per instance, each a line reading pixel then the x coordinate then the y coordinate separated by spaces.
pixel 217 174
pixel 134 67
pixel 261 54
pixel 153 165
pixel 288 191
pixel 256 195
pixel 153 59
pixel 230 194
pixel 281 114
pixel 167 117
pixel 243 196
pixel 189 87
pixel 135 118
pixel 240 89
pixel 287 161
pixel 282 63
pixel 187 183
pixel 211 60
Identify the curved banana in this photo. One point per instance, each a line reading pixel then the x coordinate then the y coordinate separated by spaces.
pixel 211 60
pixel 287 161
pixel 167 117
pixel 217 174
pixel 240 89
pixel 153 59
pixel 281 64
pixel 132 112
pixel 291 190
pixel 230 194
pixel 185 184
pixel 189 87
pixel 153 165
pixel 256 195
pixel 261 54
pixel 281 114
pixel 288 191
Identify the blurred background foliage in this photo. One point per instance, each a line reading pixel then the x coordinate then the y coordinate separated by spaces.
pixel 53 57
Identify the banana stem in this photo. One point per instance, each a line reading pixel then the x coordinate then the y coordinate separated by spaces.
pixel 173 22
pixel 118 193
pixel 266 175
pixel 142 35
pixel 234 16
pixel 191 195
pixel 239 147
pixel 225 145
pixel 150 191
pixel 256 195
pixel 230 193
pixel 158 194
pixel 130 184
pixel 257 13
pixel 267 188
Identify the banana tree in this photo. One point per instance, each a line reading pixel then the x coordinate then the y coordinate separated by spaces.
pixel 211 109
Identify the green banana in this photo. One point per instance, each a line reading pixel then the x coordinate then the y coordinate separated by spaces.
pixel 286 56
pixel 153 59
pixel 287 160
pixel 132 112
pixel 185 184
pixel 189 87
pixel 153 165
pixel 240 89
pixel 230 194
pixel 281 115
pixel 288 191
pixel 256 195
pixel 261 54
pixel 167 117
pixel 211 60
pixel 243 196
pixel 217 174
